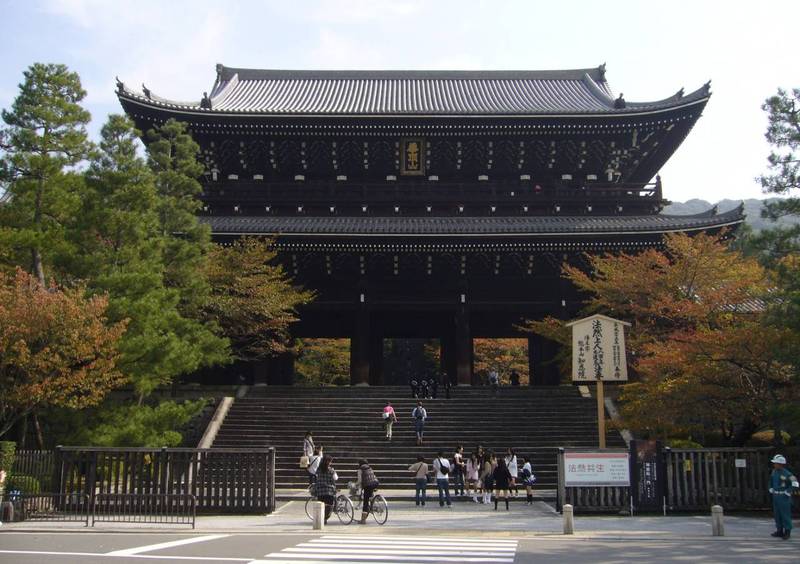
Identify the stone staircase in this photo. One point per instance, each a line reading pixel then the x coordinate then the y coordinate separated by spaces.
pixel 535 421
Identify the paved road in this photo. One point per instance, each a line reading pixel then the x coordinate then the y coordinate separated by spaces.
pixel 373 547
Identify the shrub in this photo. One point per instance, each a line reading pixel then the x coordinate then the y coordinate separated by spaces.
pixel 23 483
pixel 683 443
pixel 765 438
pixel 7 450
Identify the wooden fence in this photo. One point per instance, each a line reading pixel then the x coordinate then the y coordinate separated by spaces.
pixel 35 463
pixel 696 479
pixel 735 478
pixel 222 480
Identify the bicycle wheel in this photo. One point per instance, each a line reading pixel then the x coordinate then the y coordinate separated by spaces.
pixel 379 509
pixel 344 509
pixel 308 507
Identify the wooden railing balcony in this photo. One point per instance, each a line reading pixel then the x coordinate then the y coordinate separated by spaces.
pixel 433 193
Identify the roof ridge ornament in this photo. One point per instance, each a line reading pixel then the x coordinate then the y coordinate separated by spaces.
pixel 602 70
pixel 679 94
pixel 120 85
pixel 619 103
pixel 146 91
pixel 220 67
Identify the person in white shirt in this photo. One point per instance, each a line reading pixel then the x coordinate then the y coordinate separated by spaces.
pixel 442 468
pixel 313 464
pixel 308 445
pixel 528 478
pixel 513 469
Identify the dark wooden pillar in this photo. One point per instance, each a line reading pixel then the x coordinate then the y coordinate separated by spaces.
pixel 285 368
pixel 260 372
pixel 360 349
pixel 376 359
pixel 447 357
pixel 542 368
pixel 463 348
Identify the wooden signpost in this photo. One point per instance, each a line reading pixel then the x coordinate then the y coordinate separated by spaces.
pixel 598 355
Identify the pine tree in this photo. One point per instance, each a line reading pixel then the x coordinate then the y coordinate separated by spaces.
pixel 173 158
pixel 124 252
pixel 44 136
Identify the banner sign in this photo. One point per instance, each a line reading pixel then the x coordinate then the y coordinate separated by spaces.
pixel 598 349
pixel 586 469
pixel 649 474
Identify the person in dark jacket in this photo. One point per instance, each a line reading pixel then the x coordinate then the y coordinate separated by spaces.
pixel 502 479
pixel 368 483
pixel 325 485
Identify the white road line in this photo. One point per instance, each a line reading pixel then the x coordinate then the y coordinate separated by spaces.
pixel 428 547
pixel 303 558
pixel 391 549
pixel 406 537
pixel 396 551
pixel 426 544
pixel 140 556
pixel 163 545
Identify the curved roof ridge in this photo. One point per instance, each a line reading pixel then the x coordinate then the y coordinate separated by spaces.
pixel 226 73
pixel 599 92
pixel 731 214
pixel 702 92
pixel 222 89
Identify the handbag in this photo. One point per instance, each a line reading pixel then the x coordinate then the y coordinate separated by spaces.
pixel 304 461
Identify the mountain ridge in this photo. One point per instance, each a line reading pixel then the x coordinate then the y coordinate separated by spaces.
pixel 752 210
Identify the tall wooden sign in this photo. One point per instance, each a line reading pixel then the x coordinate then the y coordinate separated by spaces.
pixel 598 355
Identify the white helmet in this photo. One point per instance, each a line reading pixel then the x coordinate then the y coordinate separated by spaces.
pixel 778 459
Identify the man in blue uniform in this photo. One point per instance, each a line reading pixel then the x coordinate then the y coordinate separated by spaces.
pixel 781 484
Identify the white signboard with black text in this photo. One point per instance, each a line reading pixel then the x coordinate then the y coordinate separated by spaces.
pixel 587 469
pixel 598 349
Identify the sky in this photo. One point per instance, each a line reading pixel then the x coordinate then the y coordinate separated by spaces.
pixel 747 49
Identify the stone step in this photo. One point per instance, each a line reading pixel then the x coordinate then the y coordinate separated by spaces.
pixel 534 421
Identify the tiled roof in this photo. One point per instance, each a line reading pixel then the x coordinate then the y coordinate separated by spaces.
pixel 285 92
pixel 467 226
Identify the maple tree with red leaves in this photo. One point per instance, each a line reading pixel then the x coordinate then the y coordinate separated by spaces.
pixel 701 347
pixel 56 348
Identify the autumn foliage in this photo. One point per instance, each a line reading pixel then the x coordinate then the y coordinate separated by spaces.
pixel 700 347
pixel 504 355
pixel 56 348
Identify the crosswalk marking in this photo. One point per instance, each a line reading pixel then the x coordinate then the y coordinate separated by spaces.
pixel 393 549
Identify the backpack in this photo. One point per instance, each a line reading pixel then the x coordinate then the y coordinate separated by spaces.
pixel 443 469
pixel 417 413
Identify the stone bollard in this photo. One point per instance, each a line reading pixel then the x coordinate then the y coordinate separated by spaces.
pixel 318 515
pixel 717 523
pixel 569 520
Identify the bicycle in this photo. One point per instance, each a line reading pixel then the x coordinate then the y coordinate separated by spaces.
pixel 378 508
pixel 342 507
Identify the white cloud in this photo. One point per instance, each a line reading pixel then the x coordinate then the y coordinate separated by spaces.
pixel 171 49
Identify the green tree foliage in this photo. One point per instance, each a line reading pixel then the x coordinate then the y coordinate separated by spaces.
pixel 44 136
pixel 780 247
pixel 125 253
pixel 253 301
pixel 143 425
pixel 172 155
